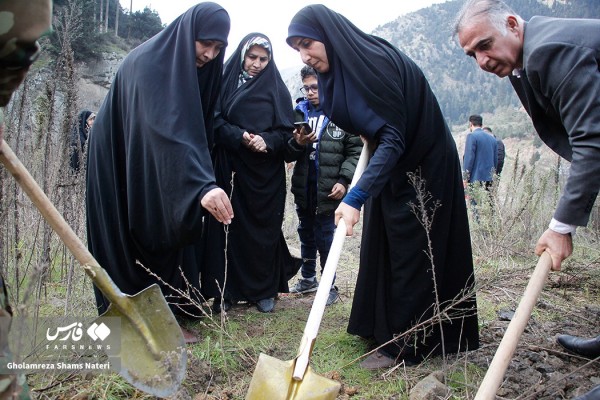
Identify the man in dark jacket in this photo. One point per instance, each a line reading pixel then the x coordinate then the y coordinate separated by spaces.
pixel 552 64
pixel 326 159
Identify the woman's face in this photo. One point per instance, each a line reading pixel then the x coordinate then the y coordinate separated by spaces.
pixel 255 60
pixel 90 120
pixel 312 53
pixel 206 51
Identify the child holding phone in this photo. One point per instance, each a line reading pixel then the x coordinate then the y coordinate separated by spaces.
pixel 326 158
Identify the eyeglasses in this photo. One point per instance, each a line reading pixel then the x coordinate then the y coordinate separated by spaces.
pixel 305 89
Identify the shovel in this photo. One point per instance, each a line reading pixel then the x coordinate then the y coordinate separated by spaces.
pixel 274 379
pixel 153 355
pixel 495 373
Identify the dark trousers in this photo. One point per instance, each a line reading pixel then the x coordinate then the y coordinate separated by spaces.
pixel 316 233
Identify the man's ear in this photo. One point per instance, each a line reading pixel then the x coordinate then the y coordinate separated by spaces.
pixel 513 24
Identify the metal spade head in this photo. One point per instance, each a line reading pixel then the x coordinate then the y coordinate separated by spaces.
pixel 272 379
pixel 153 358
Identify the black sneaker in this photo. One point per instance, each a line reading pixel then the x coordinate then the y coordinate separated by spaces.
pixel 305 286
pixel 333 296
pixel 265 305
pixel 225 306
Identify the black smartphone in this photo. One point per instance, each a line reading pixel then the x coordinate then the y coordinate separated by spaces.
pixel 304 125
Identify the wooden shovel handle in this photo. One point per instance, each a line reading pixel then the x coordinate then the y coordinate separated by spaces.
pixel 320 301
pixel 495 373
pixel 98 275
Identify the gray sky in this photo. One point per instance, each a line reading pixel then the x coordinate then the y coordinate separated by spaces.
pixel 272 17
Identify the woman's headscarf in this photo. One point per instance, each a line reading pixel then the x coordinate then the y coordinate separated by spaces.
pixel 261 41
pixel 79 137
pixel 82 128
pixel 253 41
pixel 361 65
pixel 262 103
pixel 174 54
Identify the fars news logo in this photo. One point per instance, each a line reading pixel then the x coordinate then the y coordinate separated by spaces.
pixel 74 332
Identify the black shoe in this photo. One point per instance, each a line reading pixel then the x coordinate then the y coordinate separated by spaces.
pixel 333 296
pixel 593 394
pixel 265 305
pixel 305 285
pixel 380 359
pixel 377 360
pixel 225 305
pixel 589 348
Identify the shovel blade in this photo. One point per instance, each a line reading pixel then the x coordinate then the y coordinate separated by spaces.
pixel 160 372
pixel 272 379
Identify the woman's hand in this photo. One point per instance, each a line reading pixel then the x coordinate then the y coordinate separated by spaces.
pixel 350 215
pixel 218 205
pixel 254 142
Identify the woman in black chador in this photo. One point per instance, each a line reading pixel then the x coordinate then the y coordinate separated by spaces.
pixel 79 138
pixel 150 177
pixel 369 87
pixel 253 124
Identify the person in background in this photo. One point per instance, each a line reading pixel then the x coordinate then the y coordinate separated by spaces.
pixel 150 179
pixel 79 137
pixel 326 159
pixel 369 87
pixel 501 150
pixel 21 25
pixel 254 122
pixel 481 155
pixel 552 64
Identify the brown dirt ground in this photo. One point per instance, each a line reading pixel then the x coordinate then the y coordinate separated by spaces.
pixel 539 369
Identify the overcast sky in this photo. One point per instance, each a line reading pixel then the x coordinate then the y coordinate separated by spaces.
pixel 272 17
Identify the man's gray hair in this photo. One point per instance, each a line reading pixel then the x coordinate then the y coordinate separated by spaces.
pixel 495 11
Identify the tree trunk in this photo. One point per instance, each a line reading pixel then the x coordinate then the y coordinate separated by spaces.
pixel 101 19
pixel 117 19
pixel 106 17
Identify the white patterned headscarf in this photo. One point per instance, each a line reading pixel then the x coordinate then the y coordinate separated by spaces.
pixel 254 41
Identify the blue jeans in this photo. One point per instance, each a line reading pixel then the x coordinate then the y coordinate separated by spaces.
pixel 316 233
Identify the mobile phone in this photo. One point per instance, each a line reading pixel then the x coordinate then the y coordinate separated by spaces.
pixel 304 125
